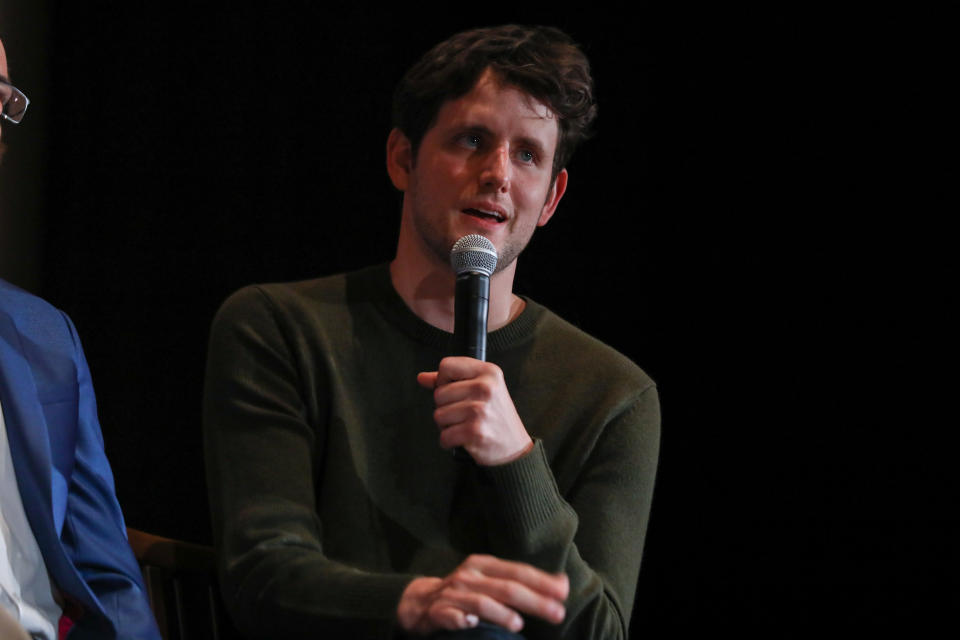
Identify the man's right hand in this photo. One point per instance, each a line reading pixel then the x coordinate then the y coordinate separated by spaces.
pixel 482 588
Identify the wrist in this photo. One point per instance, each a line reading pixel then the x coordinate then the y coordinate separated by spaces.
pixel 515 456
pixel 413 601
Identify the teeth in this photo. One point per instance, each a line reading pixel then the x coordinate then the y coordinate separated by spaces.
pixel 492 214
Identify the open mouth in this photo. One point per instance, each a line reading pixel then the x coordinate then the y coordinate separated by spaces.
pixel 485 215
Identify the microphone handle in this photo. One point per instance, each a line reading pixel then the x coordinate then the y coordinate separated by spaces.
pixel 471 307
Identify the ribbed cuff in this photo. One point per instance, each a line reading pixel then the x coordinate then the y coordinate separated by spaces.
pixel 523 498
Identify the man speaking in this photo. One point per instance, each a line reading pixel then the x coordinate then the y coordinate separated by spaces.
pixel 333 406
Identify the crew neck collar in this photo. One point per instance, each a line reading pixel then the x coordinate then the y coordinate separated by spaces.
pixel 396 310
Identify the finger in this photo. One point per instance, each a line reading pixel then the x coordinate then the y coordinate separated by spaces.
pixel 556 586
pixel 465 413
pixel 427 379
pixel 460 596
pixel 460 368
pixel 461 427
pixel 479 389
pixel 514 595
pixel 442 615
pixel 457 436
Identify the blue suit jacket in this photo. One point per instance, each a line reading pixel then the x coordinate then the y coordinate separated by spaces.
pixel 62 471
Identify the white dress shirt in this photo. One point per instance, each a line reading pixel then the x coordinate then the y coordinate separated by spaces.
pixel 25 589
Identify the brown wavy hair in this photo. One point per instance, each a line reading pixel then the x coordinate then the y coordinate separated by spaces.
pixel 544 62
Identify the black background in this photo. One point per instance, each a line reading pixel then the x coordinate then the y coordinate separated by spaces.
pixel 737 227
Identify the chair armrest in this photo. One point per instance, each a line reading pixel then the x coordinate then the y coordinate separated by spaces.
pixel 170 554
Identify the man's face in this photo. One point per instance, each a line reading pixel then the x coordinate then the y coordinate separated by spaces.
pixel 485 166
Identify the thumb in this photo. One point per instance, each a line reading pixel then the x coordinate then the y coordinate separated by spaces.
pixel 427 379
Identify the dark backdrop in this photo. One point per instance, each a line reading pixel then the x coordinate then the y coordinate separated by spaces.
pixel 716 230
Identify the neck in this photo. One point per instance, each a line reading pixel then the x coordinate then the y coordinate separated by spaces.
pixel 427 288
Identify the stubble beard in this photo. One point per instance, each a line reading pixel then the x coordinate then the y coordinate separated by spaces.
pixel 440 245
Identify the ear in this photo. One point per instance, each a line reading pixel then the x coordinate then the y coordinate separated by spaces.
pixel 399 159
pixel 553 198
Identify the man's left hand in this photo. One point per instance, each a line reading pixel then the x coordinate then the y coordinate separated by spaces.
pixel 475 411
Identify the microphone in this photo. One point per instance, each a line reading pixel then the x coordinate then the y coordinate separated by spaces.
pixel 473 259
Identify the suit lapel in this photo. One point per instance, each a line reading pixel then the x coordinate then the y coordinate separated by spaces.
pixel 26 431
pixel 30 451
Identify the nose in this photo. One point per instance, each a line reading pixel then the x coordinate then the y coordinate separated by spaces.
pixel 497 169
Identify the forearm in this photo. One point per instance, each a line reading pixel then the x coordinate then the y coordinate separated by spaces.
pixel 265 443
pixel 94 532
pixel 593 532
pixel 539 527
pixel 285 589
pixel 528 518
pixel 276 575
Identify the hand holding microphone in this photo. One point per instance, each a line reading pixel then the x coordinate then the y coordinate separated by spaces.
pixel 474 409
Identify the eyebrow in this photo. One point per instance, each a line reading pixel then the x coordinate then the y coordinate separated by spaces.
pixel 534 144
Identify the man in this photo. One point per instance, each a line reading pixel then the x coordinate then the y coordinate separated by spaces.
pixel 338 509
pixel 64 559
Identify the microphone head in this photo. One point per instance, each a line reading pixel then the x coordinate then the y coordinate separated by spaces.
pixel 473 254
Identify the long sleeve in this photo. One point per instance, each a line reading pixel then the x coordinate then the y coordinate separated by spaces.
pixel 94 534
pixel 263 440
pixel 595 534
pixel 329 491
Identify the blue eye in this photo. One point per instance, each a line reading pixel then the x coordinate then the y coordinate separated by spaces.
pixel 527 156
pixel 470 140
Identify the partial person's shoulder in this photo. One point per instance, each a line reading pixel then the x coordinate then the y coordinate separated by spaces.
pixel 33 315
pixel 286 293
pixel 15 300
pixel 299 299
pixel 574 347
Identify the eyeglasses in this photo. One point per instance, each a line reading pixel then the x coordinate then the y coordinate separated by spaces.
pixel 14 102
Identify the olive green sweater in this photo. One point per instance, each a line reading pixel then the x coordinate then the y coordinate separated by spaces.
pixel 329 491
